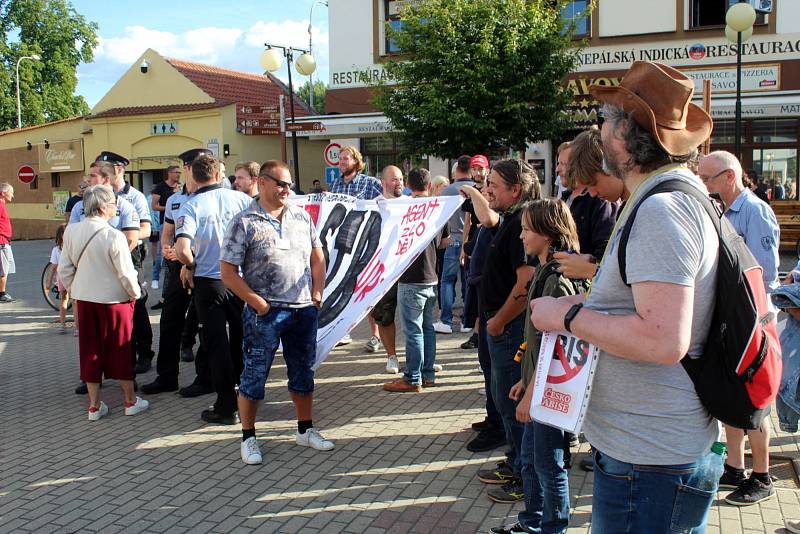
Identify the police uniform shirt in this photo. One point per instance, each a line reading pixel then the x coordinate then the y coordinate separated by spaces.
pixel 204 218
pixel 755 221
pixel 138 200
pixel 173 205
pixel 126 218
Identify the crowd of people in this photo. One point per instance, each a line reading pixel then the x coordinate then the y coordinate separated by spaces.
pixel 244 269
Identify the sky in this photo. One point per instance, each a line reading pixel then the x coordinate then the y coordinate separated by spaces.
pixel 226 34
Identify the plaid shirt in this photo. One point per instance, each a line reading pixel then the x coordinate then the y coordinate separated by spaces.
pixel 361 186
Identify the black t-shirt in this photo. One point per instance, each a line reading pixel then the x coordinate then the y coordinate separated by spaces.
pixel 423 269
pixel 164 191
pixel 505 255
pixel 74 199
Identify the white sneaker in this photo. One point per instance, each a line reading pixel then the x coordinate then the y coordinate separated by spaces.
pixel 437 368
pixel 312 438
pixel 346 340
pixel 251 454
pixel 154 284
pixel 792 526
pixel 442 328
pixel 482 391
pixel 139 406
pixel 374 344
pixel 95 416
pixel 392 365
pixel 465 329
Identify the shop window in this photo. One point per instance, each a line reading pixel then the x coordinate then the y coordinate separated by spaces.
pixel 391 10
pixel 775 131
pixel 55 180
pixel 577 15
pixel 711 13
pixel 724 133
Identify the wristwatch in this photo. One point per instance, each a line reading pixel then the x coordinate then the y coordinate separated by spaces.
pixel 191 266
pixel 573 311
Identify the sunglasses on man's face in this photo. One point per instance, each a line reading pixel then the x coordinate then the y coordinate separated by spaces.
pixel 280 183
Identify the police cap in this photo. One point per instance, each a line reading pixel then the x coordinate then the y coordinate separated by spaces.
pixel 112 158
pixel 189 156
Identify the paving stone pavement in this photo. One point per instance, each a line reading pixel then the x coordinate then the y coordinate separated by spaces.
pixel 399 464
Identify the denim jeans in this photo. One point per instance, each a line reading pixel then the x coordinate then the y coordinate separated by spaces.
pixel 416 303
pixel 157 263
pixel 450 273
pixel 485 360
pixel 505 373
pixel 788 403
pixel 646 498
pixel 545 480
pixel 296 328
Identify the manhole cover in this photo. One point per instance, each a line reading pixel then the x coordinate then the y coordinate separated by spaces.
pixel 785 471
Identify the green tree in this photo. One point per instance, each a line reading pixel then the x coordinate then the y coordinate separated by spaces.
pixel 319 95
pixel 478 76
pixel 62 38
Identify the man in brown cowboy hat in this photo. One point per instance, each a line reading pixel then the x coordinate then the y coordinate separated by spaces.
pixel 645 421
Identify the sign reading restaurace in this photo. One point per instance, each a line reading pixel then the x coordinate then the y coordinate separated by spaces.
pixel 723 80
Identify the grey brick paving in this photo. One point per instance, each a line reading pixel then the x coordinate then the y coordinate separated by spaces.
pixel 399 463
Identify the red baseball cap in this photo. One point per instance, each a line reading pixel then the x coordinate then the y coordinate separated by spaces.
pixel 479 161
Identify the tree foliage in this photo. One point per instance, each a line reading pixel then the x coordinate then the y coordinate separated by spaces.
pixel 62 38
pixel 319 95
pixel 478 76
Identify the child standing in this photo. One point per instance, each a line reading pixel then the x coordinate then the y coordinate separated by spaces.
pixel 547 227
pixel 55 254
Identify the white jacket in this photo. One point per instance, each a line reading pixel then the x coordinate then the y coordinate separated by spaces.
pixel 106 274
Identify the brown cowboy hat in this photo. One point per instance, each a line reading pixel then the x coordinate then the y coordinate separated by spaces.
pixel 659 98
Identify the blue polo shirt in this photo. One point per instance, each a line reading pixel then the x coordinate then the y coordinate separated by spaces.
pixel 755 221
pixel 138 200
pixel 126 218
pixel 173 205
pixel 204 218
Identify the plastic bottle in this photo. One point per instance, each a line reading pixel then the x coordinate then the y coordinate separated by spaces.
pixel 709 469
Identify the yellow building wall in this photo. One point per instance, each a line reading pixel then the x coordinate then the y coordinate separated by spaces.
pixel 162 85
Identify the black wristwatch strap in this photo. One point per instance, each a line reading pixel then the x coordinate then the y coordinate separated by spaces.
pixel 573 311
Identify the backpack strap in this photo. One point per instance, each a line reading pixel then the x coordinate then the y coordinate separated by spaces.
pixel 551 270
pixel 665 187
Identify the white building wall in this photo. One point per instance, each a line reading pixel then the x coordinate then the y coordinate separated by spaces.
pixel 626 17
pixel 788 20
pixel 351 37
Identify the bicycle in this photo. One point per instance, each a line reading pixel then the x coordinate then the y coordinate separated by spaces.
pixel 50 291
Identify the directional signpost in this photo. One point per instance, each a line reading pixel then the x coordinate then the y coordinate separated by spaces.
pixel 303 126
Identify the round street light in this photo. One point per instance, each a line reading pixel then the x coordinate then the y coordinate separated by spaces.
pixel 271 59
pixel 306 64
pixel 740 17
pixel 733 36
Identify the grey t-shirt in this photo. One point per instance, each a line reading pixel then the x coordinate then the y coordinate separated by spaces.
pixel 456 222
pixel 646 413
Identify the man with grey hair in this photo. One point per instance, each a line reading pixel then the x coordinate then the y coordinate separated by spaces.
pixel 648 429
pixel 755 221
pixel 6 256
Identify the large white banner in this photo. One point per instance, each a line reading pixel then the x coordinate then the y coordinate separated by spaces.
pixel 368 244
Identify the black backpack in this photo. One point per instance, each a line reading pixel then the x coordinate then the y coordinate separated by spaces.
pixel 738 375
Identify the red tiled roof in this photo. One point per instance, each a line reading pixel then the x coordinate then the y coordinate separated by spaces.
pixel 146 110
pixel 243 88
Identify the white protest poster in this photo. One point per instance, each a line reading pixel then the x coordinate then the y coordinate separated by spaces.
pixel 563 381
pixel 367 244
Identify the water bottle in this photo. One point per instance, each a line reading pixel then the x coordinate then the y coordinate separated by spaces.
pixel 709 469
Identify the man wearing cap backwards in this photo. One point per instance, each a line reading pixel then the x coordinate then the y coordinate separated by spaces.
pixel 645 421
pixel 177 302
pixel 142 336
pixel 203 220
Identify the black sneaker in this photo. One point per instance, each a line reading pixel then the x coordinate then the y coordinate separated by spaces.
pixel 587 463
pixel 509 493
pixel 731 479
pixel 82 389
pixel 486 440
pixel 157 386
pixel 158 305
pixel 480 425
pixel 750 492
pixel 194 390
pixel 471 343
pixel 516 528
pixel 186 354
pixel 501 474
pixel 143 365
pixel 216 418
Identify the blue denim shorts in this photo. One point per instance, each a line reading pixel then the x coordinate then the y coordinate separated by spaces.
pixel 296 328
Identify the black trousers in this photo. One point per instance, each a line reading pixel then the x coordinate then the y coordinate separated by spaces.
pixel 216 307
pixel 175 325
pixel 142 335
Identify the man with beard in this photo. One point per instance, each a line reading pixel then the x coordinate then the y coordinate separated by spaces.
pixel 246 174
pixel 646 424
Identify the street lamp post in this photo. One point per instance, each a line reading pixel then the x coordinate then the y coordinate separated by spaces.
pixel 33 57
pixel 310 51
pixel 271 61
pixel 740 18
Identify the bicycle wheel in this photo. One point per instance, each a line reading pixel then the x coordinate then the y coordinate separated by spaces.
pixel 51 292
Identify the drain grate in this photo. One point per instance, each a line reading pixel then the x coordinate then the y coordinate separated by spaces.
pixel 785 471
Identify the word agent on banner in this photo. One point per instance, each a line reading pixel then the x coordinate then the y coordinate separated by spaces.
pixel 563 381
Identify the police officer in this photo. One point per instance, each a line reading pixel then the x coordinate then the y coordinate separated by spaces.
pixel 126 220
pixel 177 301
pixel 142 338
pixel 204 219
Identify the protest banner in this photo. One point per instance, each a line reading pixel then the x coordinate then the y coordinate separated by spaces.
pixel 367 244
pixel 563 381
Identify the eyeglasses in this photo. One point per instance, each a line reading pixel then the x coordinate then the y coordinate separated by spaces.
pixel 280 183
pixel 709 178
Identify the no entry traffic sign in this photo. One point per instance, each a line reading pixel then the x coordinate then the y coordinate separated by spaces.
pixel 26 174
pixel 331 154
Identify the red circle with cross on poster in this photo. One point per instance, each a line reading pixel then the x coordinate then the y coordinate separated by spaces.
pixel 26 174
pixel 572 354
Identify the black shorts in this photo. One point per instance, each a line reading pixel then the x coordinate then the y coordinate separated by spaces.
pixel 384 310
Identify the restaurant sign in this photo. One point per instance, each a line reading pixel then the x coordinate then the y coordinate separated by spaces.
pixel 61 156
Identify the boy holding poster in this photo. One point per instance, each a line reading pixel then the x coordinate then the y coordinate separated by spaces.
pixel 547 226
